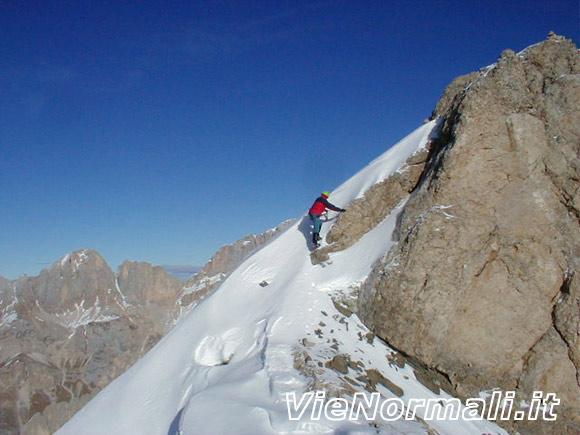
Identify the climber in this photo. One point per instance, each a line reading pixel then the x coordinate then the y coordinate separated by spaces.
pixel 319 207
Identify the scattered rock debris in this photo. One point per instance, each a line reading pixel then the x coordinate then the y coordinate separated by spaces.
pixel 341 363
pixel 374 377
pixel 396 359
pixel 343 309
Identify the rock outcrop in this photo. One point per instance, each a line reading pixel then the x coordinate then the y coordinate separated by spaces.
pixel 482 284
pixel 365 213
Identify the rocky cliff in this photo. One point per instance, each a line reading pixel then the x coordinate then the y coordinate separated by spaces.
pixel 67 333
pixel 482 285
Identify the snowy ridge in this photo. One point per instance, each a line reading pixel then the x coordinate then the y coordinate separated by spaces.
pixel 206 281
pixel 483 72
pixel 199 286
pixel 227 366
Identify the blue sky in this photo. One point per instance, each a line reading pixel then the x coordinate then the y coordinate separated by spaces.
pixel 159 131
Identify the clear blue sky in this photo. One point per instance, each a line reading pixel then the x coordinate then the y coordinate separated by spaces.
pixel 159 131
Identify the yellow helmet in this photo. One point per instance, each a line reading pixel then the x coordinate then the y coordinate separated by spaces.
pixel 325 193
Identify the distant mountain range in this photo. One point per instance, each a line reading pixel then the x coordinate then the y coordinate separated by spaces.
pixel 66 333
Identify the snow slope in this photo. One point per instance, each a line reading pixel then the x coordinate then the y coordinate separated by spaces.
pixel 226 366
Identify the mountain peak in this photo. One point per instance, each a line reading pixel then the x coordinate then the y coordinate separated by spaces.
pixel 477 273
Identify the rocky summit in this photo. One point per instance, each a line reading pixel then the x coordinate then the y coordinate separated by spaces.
pixel 482 285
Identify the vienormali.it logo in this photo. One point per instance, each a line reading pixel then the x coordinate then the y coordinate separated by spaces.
pixel 373 407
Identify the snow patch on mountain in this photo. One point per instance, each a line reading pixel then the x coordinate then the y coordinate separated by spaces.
pixel 77 317
pixel 204 282
pixel 228 365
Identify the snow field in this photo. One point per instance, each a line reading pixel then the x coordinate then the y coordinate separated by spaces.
pixel 226 366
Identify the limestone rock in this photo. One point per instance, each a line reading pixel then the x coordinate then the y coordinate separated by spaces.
pixel 151 289
pixel 481 284
pixel 365 213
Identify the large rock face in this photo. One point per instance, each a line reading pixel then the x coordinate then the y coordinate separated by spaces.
pixel 153 290
pixel 482 284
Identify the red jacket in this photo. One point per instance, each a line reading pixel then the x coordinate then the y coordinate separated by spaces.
pixel 320 206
